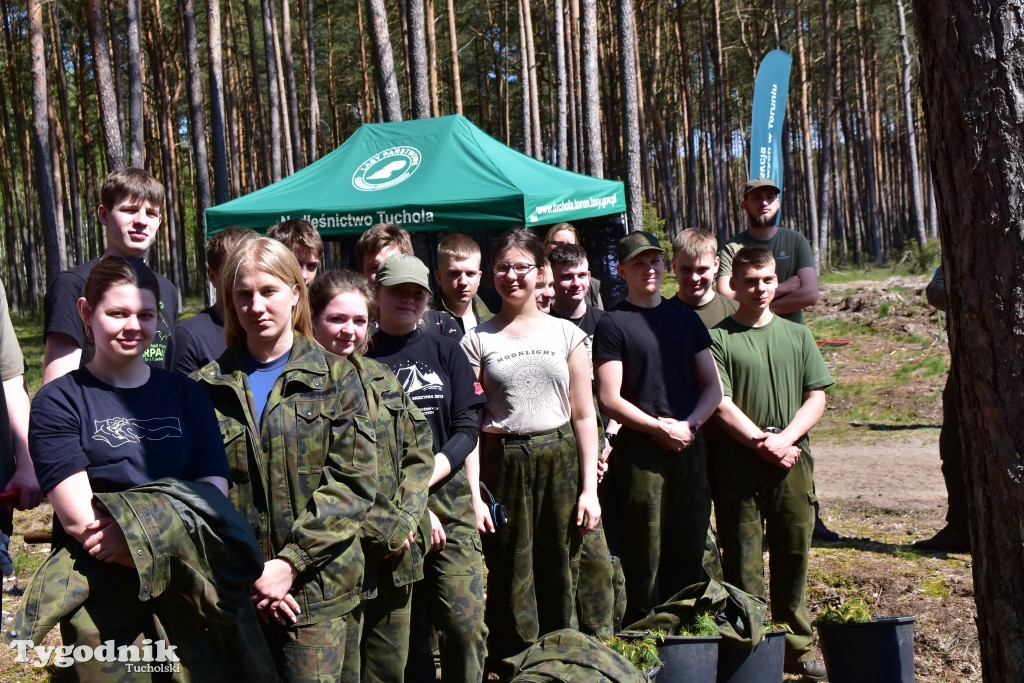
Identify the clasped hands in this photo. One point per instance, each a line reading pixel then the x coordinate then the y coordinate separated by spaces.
pixel 776 449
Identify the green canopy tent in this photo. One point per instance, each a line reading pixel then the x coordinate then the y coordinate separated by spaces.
pixel 428 174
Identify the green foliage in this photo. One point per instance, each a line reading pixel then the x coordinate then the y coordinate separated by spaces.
pixel 918 260
pixel 884 308
pixel 840 611
pixel 641 649
pixel 703 624
pixel 655 226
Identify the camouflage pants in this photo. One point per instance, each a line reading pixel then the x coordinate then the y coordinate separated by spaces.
pixel 595 590
pixel 532 563
pixel 756 499
pixel 383 639
pixel 656 518
pixel 450 600
pixel 312 653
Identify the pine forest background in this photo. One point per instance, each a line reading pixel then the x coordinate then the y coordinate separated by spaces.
pixel 222 97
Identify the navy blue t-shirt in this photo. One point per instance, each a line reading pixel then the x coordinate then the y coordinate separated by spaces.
pixel 657 347
pixel 124 437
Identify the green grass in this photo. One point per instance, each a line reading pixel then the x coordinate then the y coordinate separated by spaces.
pixel 936 587
pixel 29 331
pixel 927 367
pixel 26 562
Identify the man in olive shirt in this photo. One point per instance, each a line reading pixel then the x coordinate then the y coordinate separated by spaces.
pixel 774 381
pixel 798 280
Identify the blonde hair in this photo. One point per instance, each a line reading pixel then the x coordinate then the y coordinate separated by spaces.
pixel 264 255
pixel 694 243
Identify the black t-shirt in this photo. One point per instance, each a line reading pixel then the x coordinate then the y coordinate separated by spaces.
pixel 436 374
pixel 197 341
pixel 124 437
pixel 588 323
pixel 61 310
pixel 656 347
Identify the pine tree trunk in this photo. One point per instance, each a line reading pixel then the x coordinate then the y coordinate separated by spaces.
pixel 915 172
pixel 289 85
pixel 69 133
pixel 197 127
pixel 970 78
pixel 383 62
pixel 805 130
pixel 630 117
pixel 592 136
pixel 43 176
pixel 104 78
pixel 218 140
pixel 453 38
pixel 136 147
pixel 420 83
pixel 869 147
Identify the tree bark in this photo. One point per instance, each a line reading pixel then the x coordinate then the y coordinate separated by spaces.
pixel 869 146
pixel 383 62
pixel 289 85
pixel 630 117
pixel 805 130
pixel 105 94
pixel 273 94
pixel 593 145
pixel 419 81
pixel 72 156
pixel 197 127
pixel 136 146
pixel 218 139
pixel 453 38
pixel 52 235
pixel 971 65
pixel 917 206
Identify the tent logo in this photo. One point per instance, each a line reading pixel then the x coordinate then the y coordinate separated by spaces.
pixel 386 169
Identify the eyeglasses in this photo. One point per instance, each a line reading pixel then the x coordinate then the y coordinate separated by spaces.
pixel 520 269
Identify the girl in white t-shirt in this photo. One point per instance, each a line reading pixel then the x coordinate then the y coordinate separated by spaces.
pixel 538 451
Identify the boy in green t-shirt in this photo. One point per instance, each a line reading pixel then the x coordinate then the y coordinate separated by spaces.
pixel 774 379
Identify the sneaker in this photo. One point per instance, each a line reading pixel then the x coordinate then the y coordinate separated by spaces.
pixel 946 540
pixel 822 532
pixel 812 669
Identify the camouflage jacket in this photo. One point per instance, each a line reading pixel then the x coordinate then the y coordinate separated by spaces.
pixel 306 476
pixel 405 461
pixel 186 540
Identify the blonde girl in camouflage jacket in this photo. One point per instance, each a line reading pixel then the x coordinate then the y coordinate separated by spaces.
pixel 341 301
pixel 301 447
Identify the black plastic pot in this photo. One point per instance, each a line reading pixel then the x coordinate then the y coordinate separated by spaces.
pixel 688 659
pixel 761 664
pixel 880 651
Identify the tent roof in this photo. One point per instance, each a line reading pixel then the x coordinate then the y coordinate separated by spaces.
pixel 427 174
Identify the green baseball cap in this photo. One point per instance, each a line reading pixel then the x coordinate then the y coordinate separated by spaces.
pixel 399 269
pixel 636 243
pixel 756 183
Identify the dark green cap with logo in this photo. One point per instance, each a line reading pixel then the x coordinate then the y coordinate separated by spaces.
pixel 636 243
pixel 399 269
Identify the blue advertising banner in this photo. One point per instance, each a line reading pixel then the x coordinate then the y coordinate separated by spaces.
pixel 771 89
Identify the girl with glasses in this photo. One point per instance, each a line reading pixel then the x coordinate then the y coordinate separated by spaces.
pixel 538 452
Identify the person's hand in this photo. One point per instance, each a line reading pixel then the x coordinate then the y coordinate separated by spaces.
pixel 105 541
pixel 437 535
pixel 602 467
pixel 24 479
pixel 776 452
pixel 675 434
pixel 405 546
pixel 270 593
pixel 588 511
pixel 484 523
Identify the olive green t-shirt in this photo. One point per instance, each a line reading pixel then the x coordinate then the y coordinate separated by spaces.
pixel 791 250
pixel 766 370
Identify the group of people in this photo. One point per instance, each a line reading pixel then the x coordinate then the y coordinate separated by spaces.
pixel 379 452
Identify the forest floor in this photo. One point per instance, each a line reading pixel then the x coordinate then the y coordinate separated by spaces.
pixel 876 468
